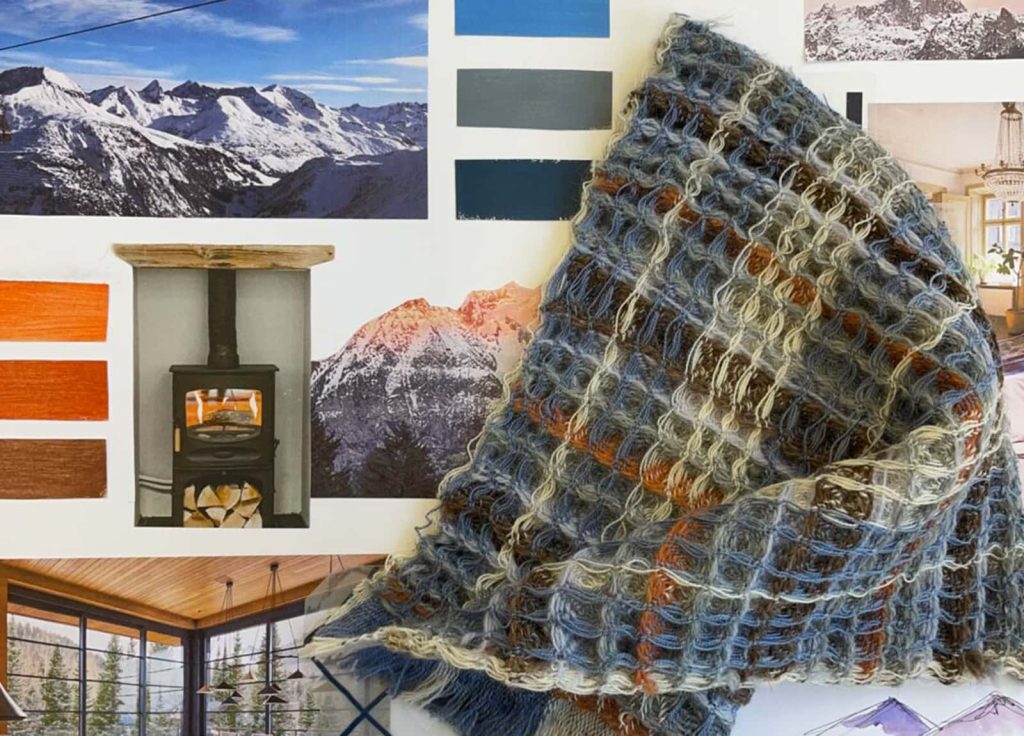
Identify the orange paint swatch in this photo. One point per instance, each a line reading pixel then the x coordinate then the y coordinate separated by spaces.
pixel 53 389
pixel 52 311
pixel 53 469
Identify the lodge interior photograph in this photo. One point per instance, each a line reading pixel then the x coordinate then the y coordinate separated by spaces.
pixel 171 646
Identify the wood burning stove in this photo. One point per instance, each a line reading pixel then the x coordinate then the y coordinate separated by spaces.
pixel 224 440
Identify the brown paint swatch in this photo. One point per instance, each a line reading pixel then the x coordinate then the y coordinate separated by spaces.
pixel 53 389
pixel 53 311
pixel 53 469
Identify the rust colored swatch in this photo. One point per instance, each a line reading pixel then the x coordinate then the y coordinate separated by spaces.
pixel 53 389
pixel 53 469
pixel 53 311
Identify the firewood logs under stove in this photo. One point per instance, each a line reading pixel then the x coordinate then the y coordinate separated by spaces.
pixel 228 505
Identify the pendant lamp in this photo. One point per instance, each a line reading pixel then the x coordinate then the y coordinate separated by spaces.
pixel 222 685
pixel 297 674
pixel 271 689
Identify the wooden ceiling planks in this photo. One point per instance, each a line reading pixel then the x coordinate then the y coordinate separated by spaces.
pixel 182 589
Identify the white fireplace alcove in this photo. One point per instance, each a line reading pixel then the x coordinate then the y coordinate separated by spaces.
pixel 170 326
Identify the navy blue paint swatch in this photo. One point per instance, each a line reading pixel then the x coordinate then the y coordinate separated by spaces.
pixel 513 189
pixel 546 18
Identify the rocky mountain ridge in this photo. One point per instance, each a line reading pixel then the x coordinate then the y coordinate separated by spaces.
pixel 430 370
pixel 196 150
pixel 912 29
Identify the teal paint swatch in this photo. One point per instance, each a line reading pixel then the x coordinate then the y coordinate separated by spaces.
pixel 514 189
pixel 544 99
pixel 545 18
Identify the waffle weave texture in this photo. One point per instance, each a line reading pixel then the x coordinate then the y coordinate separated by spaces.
pixel 757 436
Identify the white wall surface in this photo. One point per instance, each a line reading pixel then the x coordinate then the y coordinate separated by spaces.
pixel 380 264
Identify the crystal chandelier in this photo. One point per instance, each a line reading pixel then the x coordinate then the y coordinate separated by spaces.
pixel 1006 179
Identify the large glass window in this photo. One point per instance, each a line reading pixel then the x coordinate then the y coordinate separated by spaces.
pixel 1002 224
pixel 236 660
pixel 43 651
pixel 77 674
pixel 165 685
pixel 112 664
pixel 300 714
pixel 250 659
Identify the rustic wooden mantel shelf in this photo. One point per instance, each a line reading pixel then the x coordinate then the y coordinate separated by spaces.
pixel 188 255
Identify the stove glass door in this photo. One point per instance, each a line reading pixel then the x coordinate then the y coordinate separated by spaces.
pixel 223 414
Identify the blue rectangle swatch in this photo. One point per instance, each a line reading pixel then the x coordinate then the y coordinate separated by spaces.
pixel 545 18
pixel 514 189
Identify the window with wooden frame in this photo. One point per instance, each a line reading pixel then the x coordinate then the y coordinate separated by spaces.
pixel 1001 224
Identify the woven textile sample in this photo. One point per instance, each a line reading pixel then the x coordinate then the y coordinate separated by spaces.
pixel 757 436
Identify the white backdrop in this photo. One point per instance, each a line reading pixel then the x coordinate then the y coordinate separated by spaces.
pixel 380 264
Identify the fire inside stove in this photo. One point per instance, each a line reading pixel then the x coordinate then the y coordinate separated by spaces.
pixel 223 415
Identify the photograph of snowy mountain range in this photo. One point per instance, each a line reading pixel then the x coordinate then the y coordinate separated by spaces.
pixel 240 108
pixel 881 30
pixel 394 409
pixel 995 715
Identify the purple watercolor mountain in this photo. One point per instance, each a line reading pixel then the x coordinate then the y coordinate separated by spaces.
pixel 888 718
pixel 996 715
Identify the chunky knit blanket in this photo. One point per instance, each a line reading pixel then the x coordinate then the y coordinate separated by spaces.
pixel 757 436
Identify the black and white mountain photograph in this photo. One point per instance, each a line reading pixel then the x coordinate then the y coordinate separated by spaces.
pixel 895 30
pixel 224 108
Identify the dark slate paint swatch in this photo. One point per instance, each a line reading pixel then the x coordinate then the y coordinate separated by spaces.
pixel 545 18
pixel 855 107
pixel 546 99
pixel 512 189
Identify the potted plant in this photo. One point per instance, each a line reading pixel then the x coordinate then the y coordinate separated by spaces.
pixel 1012 264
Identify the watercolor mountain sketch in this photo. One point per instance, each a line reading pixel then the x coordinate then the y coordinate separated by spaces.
pixel 995 715
pixel 863 30
pixel 394 409
pixel 239 108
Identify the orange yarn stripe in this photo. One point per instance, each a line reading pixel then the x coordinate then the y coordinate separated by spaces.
pixel 654 478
